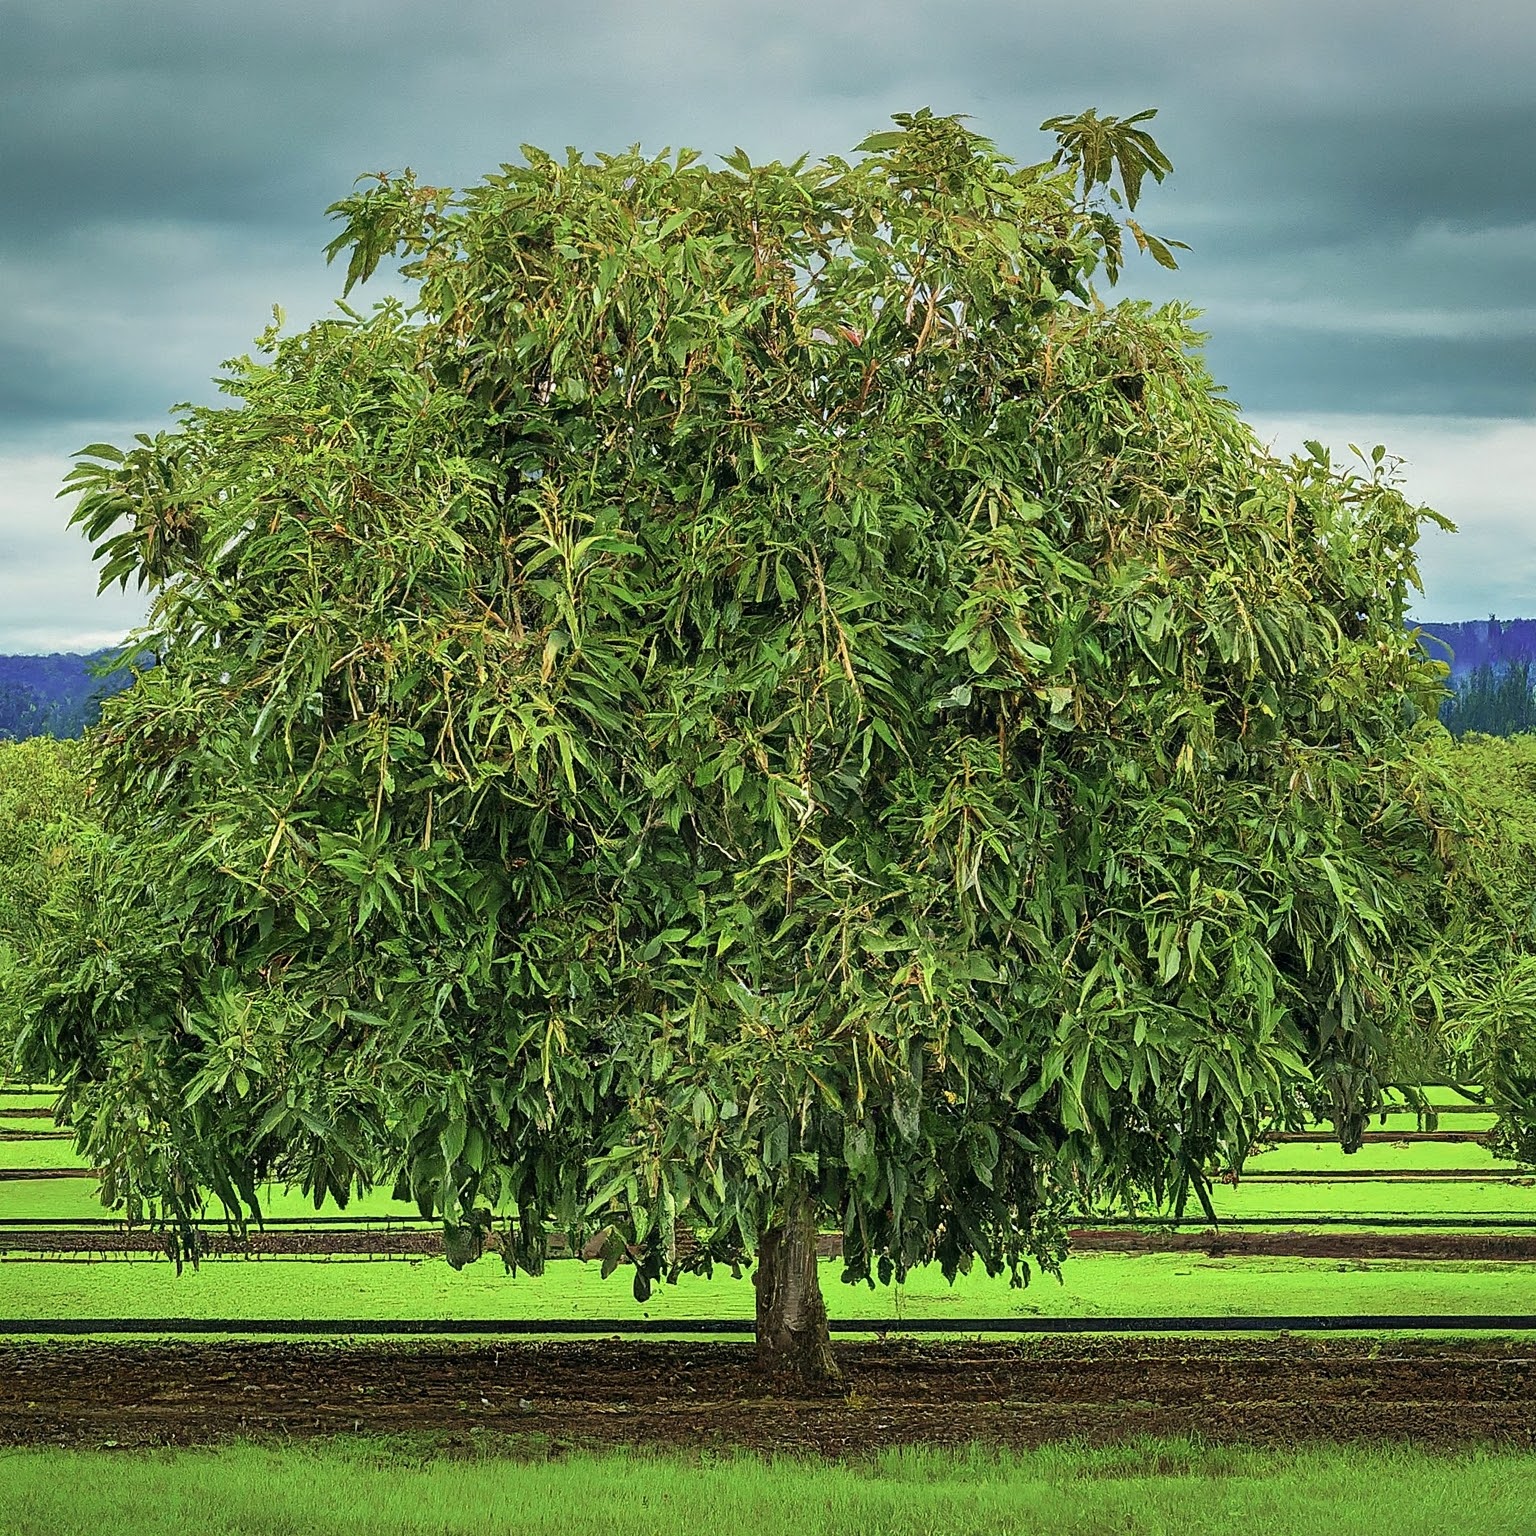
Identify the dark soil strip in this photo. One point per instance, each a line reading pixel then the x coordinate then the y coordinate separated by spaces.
pixel 1359 1246
pixel 541 1400
pixel 20 1175
pixel 25 1114
pixel 289 1244
pixel 1356 1246
pixel 36 1135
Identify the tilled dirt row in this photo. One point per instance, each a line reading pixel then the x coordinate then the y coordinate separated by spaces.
pixel 1358 1246
pixel 554 1397
pixel 1465 1246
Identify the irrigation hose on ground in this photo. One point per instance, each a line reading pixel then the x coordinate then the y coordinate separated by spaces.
pixel 174 1327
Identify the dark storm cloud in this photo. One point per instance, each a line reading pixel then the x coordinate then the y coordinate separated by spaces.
pixel 1352 175
pixel 1331 372
pixel 208 110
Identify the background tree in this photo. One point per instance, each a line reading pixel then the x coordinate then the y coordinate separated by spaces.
pixel 21 712
pixel 42 836
pixel 1492 701
pixel 758 701
pixel 1475 986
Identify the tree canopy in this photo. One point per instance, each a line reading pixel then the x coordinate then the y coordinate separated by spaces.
pixel 42 835
pixel 1473 987
pixel 758 698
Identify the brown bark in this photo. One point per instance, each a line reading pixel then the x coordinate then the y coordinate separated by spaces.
pixel 792 1337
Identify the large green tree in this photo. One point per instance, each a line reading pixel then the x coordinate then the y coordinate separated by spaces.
pixel 759 700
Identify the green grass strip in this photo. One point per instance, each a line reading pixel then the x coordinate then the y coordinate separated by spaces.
pixel 1148 1488
pixel 1104 1285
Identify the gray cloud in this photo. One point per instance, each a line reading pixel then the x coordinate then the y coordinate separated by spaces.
pixel 181 297
pixel 48 598
pixel 1352 176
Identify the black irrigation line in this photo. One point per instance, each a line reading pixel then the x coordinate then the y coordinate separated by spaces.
pixel 1368 1322
pixel 1377 1138
pixel 1348 1176
pixel 318 1223
pixel 1393 1176
pixel 1466 1099
pixel 1381 1138
pixel 1386 1220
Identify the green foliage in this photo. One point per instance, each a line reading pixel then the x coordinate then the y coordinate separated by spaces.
pixel 759 682
pixel 41 806
pixel 1096 148
pixel 1492 701
pixel 1475 986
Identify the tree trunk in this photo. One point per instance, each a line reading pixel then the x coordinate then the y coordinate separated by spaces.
pixel 792 1338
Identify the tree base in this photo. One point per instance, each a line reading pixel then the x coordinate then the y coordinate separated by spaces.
pixel 793 1343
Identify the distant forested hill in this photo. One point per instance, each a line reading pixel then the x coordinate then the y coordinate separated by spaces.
pixel 1474 643
pixel 56 695
pixel 1493 674
pixel 1492 660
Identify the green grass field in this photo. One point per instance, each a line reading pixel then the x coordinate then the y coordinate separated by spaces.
pixel 1093 1285
pixel 1312 1160
pixel 366 1488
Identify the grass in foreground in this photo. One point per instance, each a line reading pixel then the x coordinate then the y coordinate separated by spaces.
pixel 1092 1285
pixel 1143 1489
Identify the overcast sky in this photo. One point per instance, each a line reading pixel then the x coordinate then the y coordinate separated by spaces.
pixel 1356 179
